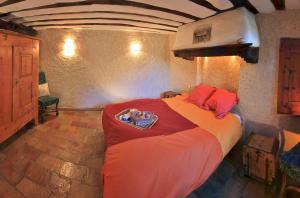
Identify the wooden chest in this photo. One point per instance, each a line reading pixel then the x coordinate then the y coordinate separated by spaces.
pixel 259 158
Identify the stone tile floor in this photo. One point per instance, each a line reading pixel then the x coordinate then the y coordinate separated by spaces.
pixel 60 158
pixel 63 158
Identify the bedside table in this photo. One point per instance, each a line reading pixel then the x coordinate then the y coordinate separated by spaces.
pixel 259 158
pixel 169 94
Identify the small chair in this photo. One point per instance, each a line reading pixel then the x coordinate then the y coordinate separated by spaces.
pixel 46 100
pixel 289 162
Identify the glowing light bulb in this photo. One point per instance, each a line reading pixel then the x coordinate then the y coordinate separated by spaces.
pixel 135 48
pixel 69 47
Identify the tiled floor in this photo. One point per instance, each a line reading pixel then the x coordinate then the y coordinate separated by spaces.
pixel 63 158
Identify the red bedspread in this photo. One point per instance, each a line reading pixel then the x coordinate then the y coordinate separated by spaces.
pixel 169 166
pixel 116 132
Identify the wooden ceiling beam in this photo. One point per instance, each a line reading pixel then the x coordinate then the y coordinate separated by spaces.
pixel 104 24
pixel 206 4
pixel 17 28
pixel 104 14
pixel 97 18
pixel 103 21
pixel 98 8
pixel 279 4
pixel 9 2
pixel 244 3
pixel 114 2
pixel 107 27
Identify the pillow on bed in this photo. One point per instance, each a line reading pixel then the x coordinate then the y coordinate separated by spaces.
pixel 200 95
pixel 221 102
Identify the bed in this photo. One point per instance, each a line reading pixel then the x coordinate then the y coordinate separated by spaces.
pixel 173 158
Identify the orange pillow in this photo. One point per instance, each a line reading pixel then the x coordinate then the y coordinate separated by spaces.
pixel 221 102
pixel 200 94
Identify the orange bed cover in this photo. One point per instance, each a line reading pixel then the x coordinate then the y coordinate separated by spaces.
pixel 174 165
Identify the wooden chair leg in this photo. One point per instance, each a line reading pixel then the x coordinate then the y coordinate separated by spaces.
pixel 40 114
pixel 44 111
pixel 56 108
pixel 283 185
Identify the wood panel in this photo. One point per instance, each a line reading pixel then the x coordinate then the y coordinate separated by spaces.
pixel 5 87
pixel 19 60
pixel 289 76
pixel 23 81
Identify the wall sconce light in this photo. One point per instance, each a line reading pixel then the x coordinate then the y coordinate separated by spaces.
pixel 135 48
pixel 69 47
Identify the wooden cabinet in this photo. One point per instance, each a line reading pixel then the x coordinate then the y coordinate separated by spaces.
pixel 289 77
pixel 19 63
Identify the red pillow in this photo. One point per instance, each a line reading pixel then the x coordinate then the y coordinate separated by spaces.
pixel 221 102
pixel 200 94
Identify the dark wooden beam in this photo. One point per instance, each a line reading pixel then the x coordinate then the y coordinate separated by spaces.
pixel 279 4
pixel 103 24
pixel 106 12
pixel 17 28
pixel 205 4
pixel 8 2
pixel 112 19
pixel 248 53
pixel 246 4
pixel 116 2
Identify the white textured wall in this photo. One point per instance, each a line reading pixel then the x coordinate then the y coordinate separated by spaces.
pixel 259 82
pixel 221 72
pixel 182 72
pixel 104 70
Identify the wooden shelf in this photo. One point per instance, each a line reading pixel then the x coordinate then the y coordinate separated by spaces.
pixel 248 53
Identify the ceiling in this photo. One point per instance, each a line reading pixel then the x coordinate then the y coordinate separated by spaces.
pixel 160 16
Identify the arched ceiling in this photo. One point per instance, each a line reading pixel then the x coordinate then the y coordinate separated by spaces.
pixel 160 16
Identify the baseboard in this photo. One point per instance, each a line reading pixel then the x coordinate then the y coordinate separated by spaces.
pixel 79 109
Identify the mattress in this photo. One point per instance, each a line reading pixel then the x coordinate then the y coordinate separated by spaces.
pixel 227 130
pixel 171 165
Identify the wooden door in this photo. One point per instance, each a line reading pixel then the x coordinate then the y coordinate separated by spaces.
pixel 289 75
pixel 6 94
pixel 24 72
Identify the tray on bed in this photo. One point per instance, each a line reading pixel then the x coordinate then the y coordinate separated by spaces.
pixel 130 122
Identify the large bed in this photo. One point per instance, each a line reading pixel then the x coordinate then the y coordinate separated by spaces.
pixel 171 159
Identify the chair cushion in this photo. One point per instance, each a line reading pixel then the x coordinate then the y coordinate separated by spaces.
pixel 48 100
pixel 290 162
pixel 44 90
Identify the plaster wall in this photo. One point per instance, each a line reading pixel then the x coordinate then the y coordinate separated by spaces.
pixel 221 72
pixel 259 82
pixel 104 70
pixel 256 84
